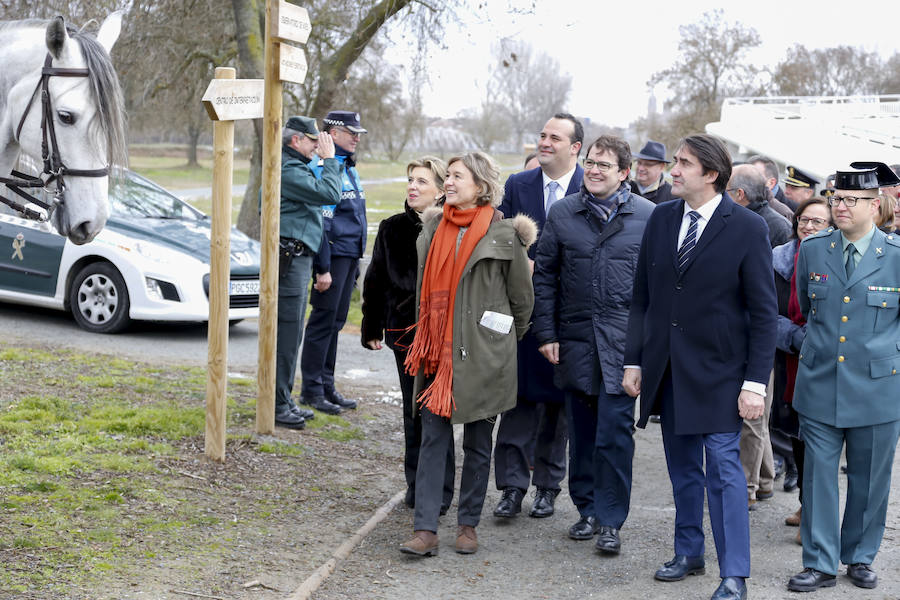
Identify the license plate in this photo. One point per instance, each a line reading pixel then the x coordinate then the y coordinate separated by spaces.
pixel 244 288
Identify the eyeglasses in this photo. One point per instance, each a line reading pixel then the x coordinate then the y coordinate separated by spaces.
pixel 817 221
pixel 603 167
pixel 352 133
pixel 849 201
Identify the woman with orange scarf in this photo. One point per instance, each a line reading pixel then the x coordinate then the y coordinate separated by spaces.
pixel 474 301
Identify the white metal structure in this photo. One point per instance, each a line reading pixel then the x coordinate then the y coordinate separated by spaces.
pixel 818 134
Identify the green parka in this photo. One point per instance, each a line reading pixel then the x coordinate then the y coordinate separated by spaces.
pixel 497 278
pixel 303 195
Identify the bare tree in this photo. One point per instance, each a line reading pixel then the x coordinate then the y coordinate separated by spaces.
pixel 528 85
pixel 710 67
pixel 838 71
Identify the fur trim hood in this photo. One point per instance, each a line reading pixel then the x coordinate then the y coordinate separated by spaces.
pixel 525 227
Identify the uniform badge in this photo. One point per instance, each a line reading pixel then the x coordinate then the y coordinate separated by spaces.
pixel 17 245
pixel 881 288
pixel 878 251
pixel 818 277
pixel 832 244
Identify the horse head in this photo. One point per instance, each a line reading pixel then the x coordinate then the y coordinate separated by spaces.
pixel 87 123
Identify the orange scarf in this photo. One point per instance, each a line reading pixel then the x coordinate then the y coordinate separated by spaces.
pixel 432 348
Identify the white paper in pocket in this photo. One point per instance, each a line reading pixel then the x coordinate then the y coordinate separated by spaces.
pixel 496 321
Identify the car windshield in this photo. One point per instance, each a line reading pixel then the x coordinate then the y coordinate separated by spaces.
pixel 134 196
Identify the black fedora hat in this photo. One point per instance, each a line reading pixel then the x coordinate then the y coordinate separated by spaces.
pixel 653 151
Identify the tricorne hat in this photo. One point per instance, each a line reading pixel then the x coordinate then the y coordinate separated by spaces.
pixel 886 176
pixel 653 151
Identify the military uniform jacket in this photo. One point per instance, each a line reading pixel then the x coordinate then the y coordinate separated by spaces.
pixel 849 362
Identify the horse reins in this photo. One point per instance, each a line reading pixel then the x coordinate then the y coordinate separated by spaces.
pixel 54 168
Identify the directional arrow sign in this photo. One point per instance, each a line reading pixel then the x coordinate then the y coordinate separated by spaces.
pixel 293 64
pixel 234 99
pixel 292 23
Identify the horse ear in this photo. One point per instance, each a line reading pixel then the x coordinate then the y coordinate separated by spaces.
pixel 56 36
pixel 110 29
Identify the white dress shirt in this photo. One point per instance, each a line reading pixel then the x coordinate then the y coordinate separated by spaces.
pixel 563 182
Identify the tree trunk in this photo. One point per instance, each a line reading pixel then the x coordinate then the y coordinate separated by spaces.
pixel 193 140
pixel 249 18
pixel 334 69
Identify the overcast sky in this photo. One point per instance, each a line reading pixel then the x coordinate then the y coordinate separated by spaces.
pixel 612 48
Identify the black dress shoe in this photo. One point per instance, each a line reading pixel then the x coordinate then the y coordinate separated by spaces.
pixel 731 588
pixel 790 478
pixel 543 503
pixel 337 399
pixel 809 580
pixel 680 567
pixel 510 503
pixel 608 540
pixel 862 575
pixel 307 414
pixel 287 418
pixel 584 529
pixel 321 404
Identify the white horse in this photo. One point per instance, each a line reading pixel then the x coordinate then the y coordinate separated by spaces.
pixel 77 132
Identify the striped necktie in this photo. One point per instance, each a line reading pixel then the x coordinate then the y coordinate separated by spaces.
pixel 690 240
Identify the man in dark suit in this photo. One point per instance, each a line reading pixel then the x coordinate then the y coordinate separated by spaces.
pixel 536 428
pixel 649 177
pixel 699 349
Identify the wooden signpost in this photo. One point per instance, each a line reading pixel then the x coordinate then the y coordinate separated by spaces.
pixel 226 99
pixel 283 62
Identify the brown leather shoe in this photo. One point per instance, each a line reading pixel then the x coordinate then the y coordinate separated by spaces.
pixel 794 519
pixel 423 543
pixel 466 540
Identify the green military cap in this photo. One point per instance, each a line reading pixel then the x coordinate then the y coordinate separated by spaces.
pixel 306 125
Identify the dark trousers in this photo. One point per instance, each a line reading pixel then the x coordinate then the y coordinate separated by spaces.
pixel 799 455
pixel 601 451
pixel 725 485
pixel 531 432
pixel 412 435
pixel 293 286
pixel 870 457
pixel 329 313
pixel 437 435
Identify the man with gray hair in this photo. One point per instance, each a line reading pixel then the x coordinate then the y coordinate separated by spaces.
pixel 302 197
pixel 748 188
pixel 767 167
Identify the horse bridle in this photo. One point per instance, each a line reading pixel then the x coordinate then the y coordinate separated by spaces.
pixel 54 168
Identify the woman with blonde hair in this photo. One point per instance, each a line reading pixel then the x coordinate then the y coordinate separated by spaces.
pixel 474 301
pixel 389 303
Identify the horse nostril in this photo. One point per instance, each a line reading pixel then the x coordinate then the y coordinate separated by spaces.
pixel 81 233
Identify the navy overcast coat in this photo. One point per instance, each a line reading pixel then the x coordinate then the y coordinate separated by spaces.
pixel 715 322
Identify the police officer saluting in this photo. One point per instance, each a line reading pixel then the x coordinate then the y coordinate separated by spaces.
pixel 302 198
pixel 848 390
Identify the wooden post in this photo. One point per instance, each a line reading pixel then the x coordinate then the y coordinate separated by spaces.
pixel 270 223
pixel 219 277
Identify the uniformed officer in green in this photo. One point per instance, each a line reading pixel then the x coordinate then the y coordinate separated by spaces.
pixel 302 198
pixel 848 389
